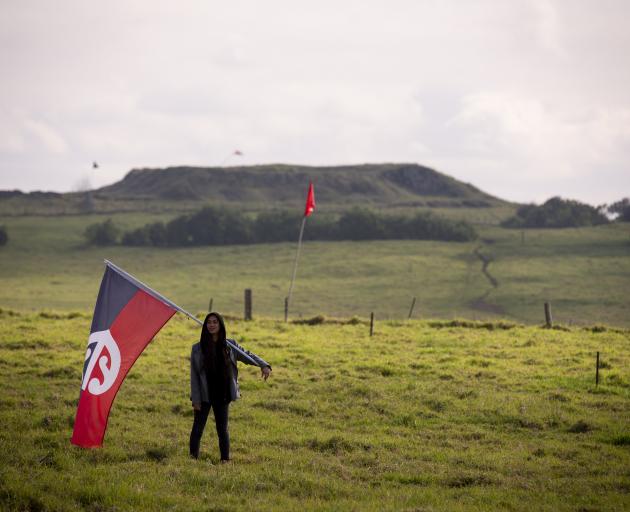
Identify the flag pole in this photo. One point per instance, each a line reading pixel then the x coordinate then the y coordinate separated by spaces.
pixel 295 264
pixel 161 297
pixel 308 209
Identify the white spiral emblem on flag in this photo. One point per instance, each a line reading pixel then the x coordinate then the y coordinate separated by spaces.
pixel 109 366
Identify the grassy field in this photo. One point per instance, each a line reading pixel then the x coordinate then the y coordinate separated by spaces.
pixel 584 273
pixel 421 417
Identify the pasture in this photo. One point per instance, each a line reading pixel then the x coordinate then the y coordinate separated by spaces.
pixel 584 273
pixel 423 416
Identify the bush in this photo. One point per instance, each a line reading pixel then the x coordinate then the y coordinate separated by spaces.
pixel 361 224
pixel 105 233
pixel 276 226
pixel 213 226
pixel 151 234
pixel 556 213
pixel 621 209
pixel 4 237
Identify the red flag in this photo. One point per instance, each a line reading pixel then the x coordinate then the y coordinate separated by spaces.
pixel 237 152
pixel 310 201
pixel 126 318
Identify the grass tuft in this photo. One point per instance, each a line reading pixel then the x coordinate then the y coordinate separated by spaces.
pixel 621 440
pixel 65 372
pixel 580 427
pixel 316 320
pixel 27 345
pixel 467 481
pixel 156 454
pixel 335 445
pixel 471 324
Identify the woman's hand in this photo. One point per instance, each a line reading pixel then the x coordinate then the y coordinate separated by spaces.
pixel 196 407
pixel 265 372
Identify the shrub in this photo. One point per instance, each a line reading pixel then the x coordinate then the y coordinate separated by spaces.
pixel 213 226
pixel 556 213
pixel 361 224
pixel 276 226
pixel 621 209
pixel 105 233
pixel 151 234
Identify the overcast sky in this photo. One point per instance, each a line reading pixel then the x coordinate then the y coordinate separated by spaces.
pixel 525 99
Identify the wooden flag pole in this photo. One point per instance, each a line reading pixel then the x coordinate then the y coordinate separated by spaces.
pixel 295 264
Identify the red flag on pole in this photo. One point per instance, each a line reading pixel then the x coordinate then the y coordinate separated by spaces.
pixel 126 318
pixel 310 201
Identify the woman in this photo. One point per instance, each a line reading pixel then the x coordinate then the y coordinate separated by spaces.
pixel 214 380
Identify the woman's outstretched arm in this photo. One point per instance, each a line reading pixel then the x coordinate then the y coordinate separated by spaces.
pixel 248 357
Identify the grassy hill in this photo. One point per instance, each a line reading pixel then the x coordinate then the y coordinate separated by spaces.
pixel 253 188
pixel 421 416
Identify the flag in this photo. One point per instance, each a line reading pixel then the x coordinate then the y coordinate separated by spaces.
pixel 310 201
pixel 126 318
pixel 237 152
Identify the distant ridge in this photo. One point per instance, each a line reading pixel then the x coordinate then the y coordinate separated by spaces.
pixel 260 187
pixel 375 183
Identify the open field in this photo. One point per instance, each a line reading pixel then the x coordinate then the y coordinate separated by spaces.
pixel 584 273
pixel 419 417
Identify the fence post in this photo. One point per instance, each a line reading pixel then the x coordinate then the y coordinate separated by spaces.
pixel 210 305
pixel 413 303
pixel 597 369
pixel 548 320
pixel 286 309
pixel 248 303
pixel 371 324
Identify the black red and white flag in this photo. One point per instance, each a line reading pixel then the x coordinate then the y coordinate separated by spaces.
pixel 126 318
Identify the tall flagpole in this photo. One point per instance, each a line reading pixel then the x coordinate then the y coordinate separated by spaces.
pixel 308 209
pixel 295 264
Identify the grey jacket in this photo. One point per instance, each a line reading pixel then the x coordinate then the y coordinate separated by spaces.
pixel 199 382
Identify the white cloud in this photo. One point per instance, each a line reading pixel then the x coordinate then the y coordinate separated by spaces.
pixel 511 96
pixel 545 137
pixel 52 141
pixel 548 26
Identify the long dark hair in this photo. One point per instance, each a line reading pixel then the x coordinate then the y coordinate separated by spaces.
pixel 205 339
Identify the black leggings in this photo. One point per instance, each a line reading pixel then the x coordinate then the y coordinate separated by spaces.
pixel 221 420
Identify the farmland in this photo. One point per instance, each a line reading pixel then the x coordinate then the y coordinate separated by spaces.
pixel 471 405
pixel 422 416
pixel 584 273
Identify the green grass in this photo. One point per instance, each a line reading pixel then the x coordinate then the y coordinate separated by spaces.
pixel 584 273
pixel 421 416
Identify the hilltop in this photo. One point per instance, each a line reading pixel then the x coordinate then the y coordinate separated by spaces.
pixel 261 187
pixel 380 184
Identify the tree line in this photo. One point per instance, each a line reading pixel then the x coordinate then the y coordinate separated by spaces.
pixel 216 226
pixel 4 236
pixel 566 213
pixel 620 209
